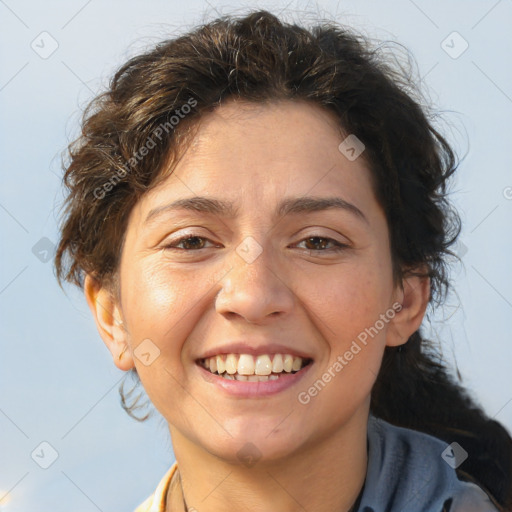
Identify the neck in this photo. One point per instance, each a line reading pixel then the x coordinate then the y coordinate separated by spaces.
pixel 326 475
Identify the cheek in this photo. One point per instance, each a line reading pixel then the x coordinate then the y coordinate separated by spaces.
pixel 355 297
pixel 163 305
pixel 345 376
pixel 153 300
pixel 351 299
pixel 156 305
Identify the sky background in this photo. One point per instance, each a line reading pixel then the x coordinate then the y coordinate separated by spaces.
pixel 58 384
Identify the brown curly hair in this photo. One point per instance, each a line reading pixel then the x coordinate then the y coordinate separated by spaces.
pixel 132 131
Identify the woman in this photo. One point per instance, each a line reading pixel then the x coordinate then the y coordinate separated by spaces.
pixel 257 214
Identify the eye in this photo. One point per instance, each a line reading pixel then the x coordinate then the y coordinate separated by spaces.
pixel 320 247
pixel 190 242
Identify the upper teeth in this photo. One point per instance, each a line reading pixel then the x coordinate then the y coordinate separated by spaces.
pixel 246 364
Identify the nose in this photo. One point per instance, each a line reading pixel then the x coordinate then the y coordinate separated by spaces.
pixel 255 290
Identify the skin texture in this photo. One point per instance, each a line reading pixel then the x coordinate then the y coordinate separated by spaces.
pixel 312 455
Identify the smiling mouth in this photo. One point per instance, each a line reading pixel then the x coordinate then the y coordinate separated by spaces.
pixel 245 367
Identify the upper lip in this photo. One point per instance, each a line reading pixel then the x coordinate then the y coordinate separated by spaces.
pixel 255 349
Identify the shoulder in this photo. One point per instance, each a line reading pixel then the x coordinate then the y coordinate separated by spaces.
pixel 411 470
pixel 471 499
pixel 156 502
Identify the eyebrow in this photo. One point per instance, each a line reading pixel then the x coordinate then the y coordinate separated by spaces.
pixel 227 209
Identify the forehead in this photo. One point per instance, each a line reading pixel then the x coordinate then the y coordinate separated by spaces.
pixel 286 122
pixel 290 142
pixel 254 155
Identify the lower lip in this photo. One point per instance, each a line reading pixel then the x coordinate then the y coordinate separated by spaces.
pixel 246 389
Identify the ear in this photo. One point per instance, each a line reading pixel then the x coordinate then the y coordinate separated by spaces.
pixel 107 316
pixel 414 296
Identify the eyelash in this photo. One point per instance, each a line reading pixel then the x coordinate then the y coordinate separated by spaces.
pixel 338 246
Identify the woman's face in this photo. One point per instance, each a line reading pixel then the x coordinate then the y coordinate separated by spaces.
pixel 269 281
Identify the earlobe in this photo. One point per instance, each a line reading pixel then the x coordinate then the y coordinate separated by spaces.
pixel 415 298
pixel 109 322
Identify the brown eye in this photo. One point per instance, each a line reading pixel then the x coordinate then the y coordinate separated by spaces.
pixel 189 243
pixel 318 244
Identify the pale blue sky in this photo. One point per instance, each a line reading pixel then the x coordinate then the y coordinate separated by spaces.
pixel 57 379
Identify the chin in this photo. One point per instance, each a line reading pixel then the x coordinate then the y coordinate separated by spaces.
pixel 264 441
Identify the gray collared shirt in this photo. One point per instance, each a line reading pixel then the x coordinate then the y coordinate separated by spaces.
pixel 407 473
